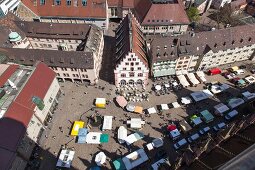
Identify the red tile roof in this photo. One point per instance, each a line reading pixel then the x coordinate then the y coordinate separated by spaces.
pixel 132 39
pixel 7 74
pixel 160 14
pixel 93 9
pixel 128 3
pixel 15 121
pixel 121 3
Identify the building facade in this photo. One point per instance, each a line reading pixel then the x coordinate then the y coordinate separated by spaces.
pixel 74 53
pixel 201 51
pixel 131 55
pixel 35 98
pixel 202 5
pixel 59 11
pixel 161 18
pixel 118 9
pixel 8 5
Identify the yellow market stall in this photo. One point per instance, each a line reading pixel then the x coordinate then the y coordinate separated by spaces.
pixel 100 103
pixel 76 126
pixel 138 109
pixel 235 68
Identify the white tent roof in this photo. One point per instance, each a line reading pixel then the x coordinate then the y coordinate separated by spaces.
pixel 250 79
pixel 107 125
pixel 100 158
pixel 176 105
pixel 164 107
pixel 183 80
pixel 201 75
pixel 175 133
pixel 152 110
pixel 93 137
pixel 198 96
pixel 122 134
pixel 158 87
pixel 65 158
pixel 134 159
pixel 221 108
pixel 233 103
pixel 186 100
pixel 193 79
pixel 247 95
pixel 208 93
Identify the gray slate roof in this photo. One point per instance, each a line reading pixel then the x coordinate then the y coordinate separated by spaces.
pixel 52 58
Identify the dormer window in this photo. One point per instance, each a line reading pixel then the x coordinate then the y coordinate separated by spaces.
pixel 215 45
pixel 249 39
pixel 241 41
pixel 165 54
pixel 233 42
pixel 158 55
pixel 224 44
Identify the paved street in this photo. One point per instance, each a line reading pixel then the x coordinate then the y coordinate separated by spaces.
pixel 78 99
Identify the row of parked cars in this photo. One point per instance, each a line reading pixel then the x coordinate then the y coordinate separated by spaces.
pixel 205 130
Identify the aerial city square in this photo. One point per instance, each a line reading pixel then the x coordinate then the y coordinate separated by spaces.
pixel 127 84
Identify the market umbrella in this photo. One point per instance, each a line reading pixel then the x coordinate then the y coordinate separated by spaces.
pixel 122 102
pixel 130 107
pixel 158 87
pixel 100 158
pixel 171 127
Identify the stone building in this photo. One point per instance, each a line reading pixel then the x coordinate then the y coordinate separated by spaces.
pixel 28 97
pixel 132 65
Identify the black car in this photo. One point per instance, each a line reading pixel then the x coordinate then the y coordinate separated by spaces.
pixel 242 67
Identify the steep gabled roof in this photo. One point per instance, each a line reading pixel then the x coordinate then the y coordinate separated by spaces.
pixel 149 13
pixel 129 38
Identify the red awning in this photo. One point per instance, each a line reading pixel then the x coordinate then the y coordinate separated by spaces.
pixel 171 127
pixel 215 71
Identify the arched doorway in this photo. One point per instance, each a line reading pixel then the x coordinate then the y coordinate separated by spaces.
pixel 131 82
pixel 139 82
pixel 123 82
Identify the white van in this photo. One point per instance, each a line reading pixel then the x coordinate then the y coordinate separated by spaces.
pixel 180 143
pixel 231 114
pixel 240 71
pixel 193 137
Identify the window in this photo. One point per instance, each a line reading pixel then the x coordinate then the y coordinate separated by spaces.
pixel 73 75
pixel 58 74
pixel 68 2
pixel 49 45
pixel 149 20
pixel 42 2
pixel 153 20
pixel 134 59
pixel 50 100
pixel 132 64
pixel 123 75
pixel 129 59
pixel 139 68
pixel 126 64
pixel 57 2
pixel 131 74
pixel 36 44
pixel 77 75
pixel 137 63
pixel 84 2
pixel 124 68
pixel 140 74
pixel 132 68
pixel 35 2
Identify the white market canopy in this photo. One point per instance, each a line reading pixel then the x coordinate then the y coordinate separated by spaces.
pixel 122 134
pixel 152 110
pixel 65 158
pixel 164 107
pixel 136 123
pixel 134 137
pixel 107 125
pixel 93 137
pixel 233 103
pixel 221 108
pixel 158 87
pixel 201 95
pixel 176 105
pixel 186 100
pixel 183 80
pixel 248 95
pixel 201 75
pixel 193 79
pixel 250 79
pixel 100 158
pixel 135 159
